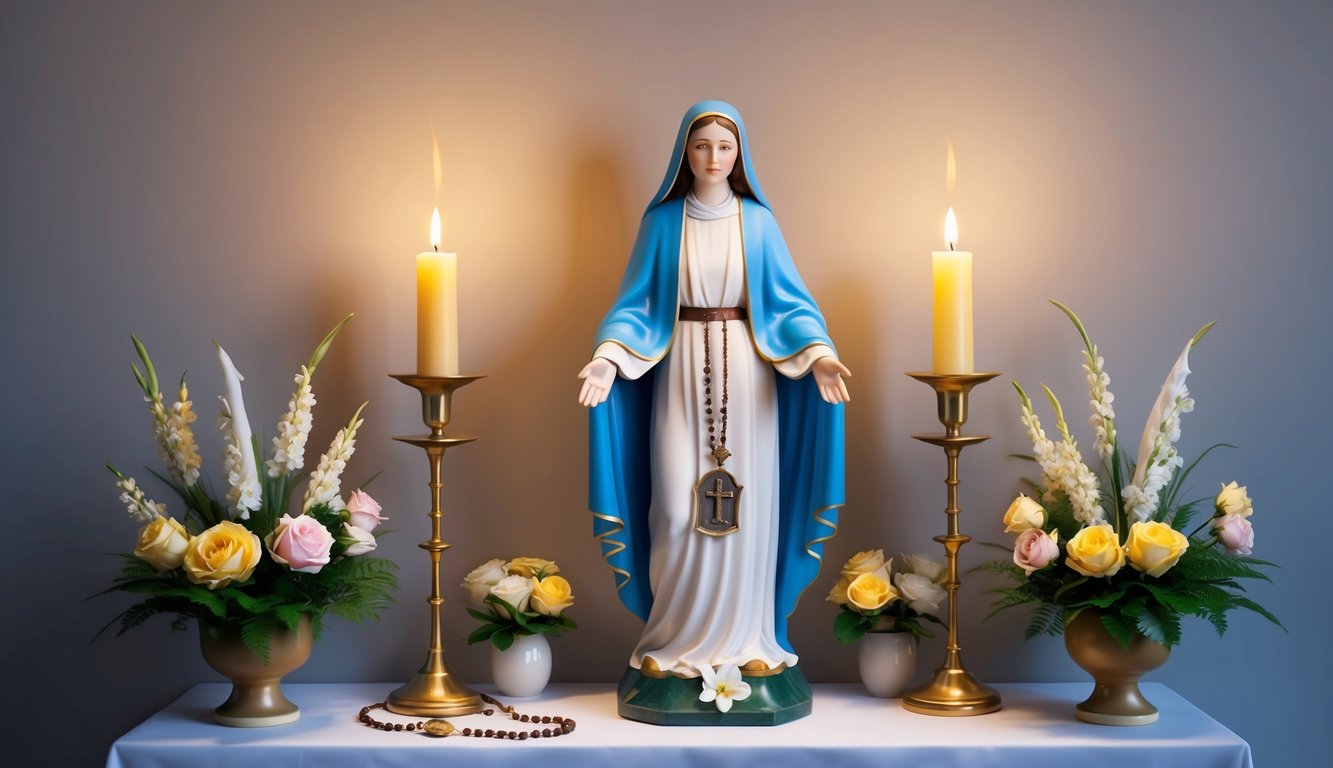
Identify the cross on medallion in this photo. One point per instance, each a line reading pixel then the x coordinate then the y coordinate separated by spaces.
pixel 717 495
pixel 717 499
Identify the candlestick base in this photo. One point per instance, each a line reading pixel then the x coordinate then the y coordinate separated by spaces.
pixel 435 691
pixel 952 692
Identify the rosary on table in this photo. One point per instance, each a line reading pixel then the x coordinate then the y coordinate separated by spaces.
pixel 717 490
pixel 553 726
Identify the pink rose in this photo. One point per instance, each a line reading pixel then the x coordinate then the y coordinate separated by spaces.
pixel 1235 533
pixel 1035 549
pixel 364 511
pixel 301 543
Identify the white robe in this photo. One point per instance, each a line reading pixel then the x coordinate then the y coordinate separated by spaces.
pixel 713 596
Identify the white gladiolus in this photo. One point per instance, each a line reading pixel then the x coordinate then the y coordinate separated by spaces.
pixel 138 505
pixel 1100 399
pixel 1073 476
pixel 1043 448
pixel 293 429
pixel 243 475
pixel 325 481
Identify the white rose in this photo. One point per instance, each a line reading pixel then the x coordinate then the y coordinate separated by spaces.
pixel 1023 513
pixel 924 566
pixel 515 590
pixel 922 594
pixel 478 583
pixel 362 541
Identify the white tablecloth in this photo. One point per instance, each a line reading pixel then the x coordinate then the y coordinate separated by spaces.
pixel 1036 728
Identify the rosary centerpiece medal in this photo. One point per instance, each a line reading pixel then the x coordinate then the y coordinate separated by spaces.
pixel 717 496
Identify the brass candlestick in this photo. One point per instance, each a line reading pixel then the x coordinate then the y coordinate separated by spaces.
pixel 435 691
pixel 952 692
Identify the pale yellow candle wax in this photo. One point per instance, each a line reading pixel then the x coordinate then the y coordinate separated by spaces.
pixel 437 309
pixel 953 305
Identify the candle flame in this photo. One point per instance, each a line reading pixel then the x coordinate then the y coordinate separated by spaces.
pixel 950 228
pixel 436 165
pixel 950 167
pixel 435 228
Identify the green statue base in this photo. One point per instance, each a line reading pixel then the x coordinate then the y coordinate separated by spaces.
pixel 774 699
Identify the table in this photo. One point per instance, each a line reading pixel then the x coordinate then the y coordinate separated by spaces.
pixel 1036 728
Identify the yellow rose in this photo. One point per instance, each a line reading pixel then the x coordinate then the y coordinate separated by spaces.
pixel 838 595
pixel 863 562
pixel 1023 513
pixel 1095 551
pixel 162 543
pixel 529 567
pixel 1154 547
pixel 222 554
pixel 1233 500
pixel 871 591
pixel 551 595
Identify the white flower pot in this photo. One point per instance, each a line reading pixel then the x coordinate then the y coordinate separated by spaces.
pixel 888 662
pixel 524 669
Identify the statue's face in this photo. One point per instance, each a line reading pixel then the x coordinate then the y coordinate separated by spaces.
pixel 712 151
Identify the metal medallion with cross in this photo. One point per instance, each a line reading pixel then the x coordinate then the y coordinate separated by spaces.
pixel 717 500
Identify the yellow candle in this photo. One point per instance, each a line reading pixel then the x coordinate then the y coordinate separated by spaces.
pixel 953 304
pixel 437 308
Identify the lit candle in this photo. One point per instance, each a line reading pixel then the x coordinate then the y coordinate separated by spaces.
pixel 953 304
pixel 437 308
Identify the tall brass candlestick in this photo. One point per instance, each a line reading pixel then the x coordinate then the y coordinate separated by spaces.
pixel 953 691
pixel 435 691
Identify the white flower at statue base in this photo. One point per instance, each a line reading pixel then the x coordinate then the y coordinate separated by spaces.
pixel 723 686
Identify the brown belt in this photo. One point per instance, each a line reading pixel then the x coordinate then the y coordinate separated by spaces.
pixel 707 314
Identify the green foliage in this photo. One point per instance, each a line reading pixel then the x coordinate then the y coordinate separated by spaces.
pixel 851 623
pixel 506 622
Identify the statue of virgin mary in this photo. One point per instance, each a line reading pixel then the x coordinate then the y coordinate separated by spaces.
pixel 716 421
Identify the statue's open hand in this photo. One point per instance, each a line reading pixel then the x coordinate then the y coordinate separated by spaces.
pixel 598 376
pixel 829 374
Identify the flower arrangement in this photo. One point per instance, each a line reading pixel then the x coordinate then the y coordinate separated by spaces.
pixel 874 599
pixel 1123 542
pixel 245 560
pixel 523 596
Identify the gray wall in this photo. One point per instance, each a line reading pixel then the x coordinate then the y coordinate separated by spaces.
pixel 252 171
